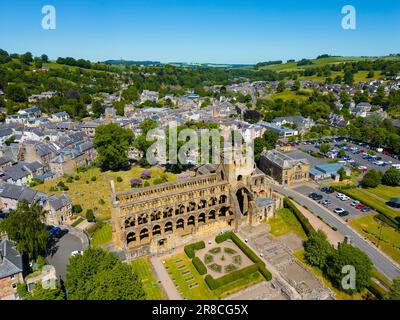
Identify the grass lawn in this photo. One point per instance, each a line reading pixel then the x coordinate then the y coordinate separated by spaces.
pixel 291 95
pixel 88 193
pixel 77 221
pixel 374 230
pixel 184 275
pixel 340 295
pixel 285 222
pixel 385 192
pixel 143 269
pixel 103 235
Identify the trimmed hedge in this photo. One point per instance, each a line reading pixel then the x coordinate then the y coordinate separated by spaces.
pixel 191 248
pixel 308 228
pixel 222 237
pixel 259 263
pixel 199 265
pixel 233 276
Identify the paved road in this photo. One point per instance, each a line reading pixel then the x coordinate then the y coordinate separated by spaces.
pixel 62 251
pixel 383 263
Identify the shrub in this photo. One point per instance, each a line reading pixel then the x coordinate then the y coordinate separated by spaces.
pixel 229 251
pixel 215 250
pixel 391 177
pixel 208 258
pixel 371 179
pixel 101 201
pixel 146 184
pixel 199 265
pixel 191 248
pixel 222 237
pixel 215 267
pixel 77 177
pixel 76 208
pixel 89 215
pixel 93 178
pixel 119 179
pixel 136 182
pixel 70 180
pixel 230 267
pixel 233 276
pixel 145 174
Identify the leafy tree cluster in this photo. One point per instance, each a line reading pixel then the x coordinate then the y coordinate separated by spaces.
pixel 320 253
pixel 99 275
pixel 25 225
pixel 267 142
pixel 112 144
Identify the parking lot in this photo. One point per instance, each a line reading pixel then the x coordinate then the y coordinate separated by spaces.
pixel 358 158
pixel 336 203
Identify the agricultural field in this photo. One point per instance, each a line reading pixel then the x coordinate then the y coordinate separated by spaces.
pixel 285 222
pixel 92 189
pixel 143 269
pixel 382 235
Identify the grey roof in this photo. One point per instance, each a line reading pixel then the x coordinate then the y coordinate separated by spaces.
pixel 4 160
pixel 20 170
pixel 14 192
pixel 395 200
pixel 282 160
pixel 11 260
pixel 57 203
pixel 5 132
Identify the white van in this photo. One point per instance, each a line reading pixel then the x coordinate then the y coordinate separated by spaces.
pixel 396 166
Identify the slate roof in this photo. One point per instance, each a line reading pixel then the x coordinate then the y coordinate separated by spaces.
pixel 282 160
pixel 14 192
pixel 56 203
pixel 11 260
pixel 20 170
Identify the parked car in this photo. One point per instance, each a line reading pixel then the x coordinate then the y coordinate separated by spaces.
pixel 355 203
pixel 338 210
pixel 344 213
pixel 360 206
pixel 366 209
pixel 326 202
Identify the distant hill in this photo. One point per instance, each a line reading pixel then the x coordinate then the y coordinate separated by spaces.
pixel 133 63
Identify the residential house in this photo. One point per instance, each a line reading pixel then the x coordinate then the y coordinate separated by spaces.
pixel 10 194
pixel 22 173
pixel 59 209
pixel 11 270
pixel 301 123
pixel 327 171
pixel 282 131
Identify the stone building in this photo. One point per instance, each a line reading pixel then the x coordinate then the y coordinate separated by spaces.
pixel 220 197
pixel 283 168
pixel 10 270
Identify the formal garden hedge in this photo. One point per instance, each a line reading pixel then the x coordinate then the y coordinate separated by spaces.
pixel 230 277
pixel 191 248
pixel 258 265
pixel 308 228
pixel 199 265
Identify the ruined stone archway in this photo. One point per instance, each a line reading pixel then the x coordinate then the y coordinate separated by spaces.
pixel 156 230
pixel 201 218
pixel 180 224
pixel 191 221
pixel 144 233
pixel 168 227
pixel 212 215
pixel 131 237
pixel 244 197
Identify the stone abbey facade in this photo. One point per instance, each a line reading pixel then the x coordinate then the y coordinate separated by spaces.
pixel 159 218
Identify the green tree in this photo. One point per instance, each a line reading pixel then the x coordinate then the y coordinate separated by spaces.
pixel 342 174
pixel 296 86
pixel 324 148
pixel 9 140
pixel 391 177
pixel 281 87
pixel 98 274
pixel 341 153
pixel 44 58
pixel 372 179
pixel 317 248
pixel 347 255
pixel 270 138
pixel 89 215
pixel 25 226
pixel 112 144
pixel 97 109
pixel 16 93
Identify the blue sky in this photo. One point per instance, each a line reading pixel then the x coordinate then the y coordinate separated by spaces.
pixel 220 31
